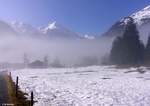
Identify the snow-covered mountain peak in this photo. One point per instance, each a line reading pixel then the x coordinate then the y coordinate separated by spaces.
pixel 19 26
pixel 52 25
pixel 25 29
pixel 56 30
pixel 15 23
pixel 147 8
pixel 142 16
pixel 126 20
pixel 141 19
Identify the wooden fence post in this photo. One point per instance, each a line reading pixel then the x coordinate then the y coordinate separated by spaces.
pixel 17 86
pixel 32 97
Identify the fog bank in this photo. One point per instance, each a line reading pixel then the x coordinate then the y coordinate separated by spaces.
pixel 68 51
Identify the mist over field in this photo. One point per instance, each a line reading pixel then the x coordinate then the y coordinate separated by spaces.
pixel 68 51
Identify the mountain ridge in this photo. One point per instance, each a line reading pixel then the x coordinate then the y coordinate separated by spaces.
pixel 141 19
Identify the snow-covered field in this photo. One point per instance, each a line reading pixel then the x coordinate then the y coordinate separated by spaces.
pixel 87 86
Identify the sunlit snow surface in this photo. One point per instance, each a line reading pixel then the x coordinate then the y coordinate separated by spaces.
pixel 87 86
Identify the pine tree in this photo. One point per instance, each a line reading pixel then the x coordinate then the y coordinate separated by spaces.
pixel 116 52
pixel 128 49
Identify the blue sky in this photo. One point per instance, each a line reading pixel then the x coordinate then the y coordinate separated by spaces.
pixel 82 16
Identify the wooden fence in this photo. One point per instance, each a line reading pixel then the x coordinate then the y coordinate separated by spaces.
pixel 17 91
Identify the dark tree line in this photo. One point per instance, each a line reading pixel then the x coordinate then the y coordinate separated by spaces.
pixel 128 49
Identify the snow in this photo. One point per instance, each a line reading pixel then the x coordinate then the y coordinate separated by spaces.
pixel 142 21
pixel 87 86
pixel 125 21
pixel 52 26
pixel 142 14
pixel 24 29
pixel 89 37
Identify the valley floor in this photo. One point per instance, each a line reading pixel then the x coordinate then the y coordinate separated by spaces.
pixel 87 86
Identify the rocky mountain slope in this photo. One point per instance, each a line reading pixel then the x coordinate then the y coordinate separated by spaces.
pixel 142 20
